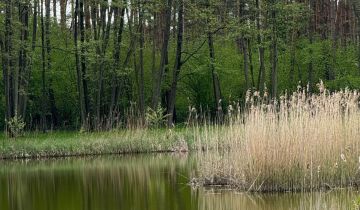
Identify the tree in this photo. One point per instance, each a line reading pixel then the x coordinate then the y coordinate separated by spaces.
pixel 141 73
pixel 261 78
pixel 178 62
pixel 8 67
pixel 63 7
pixel 164 55
pixel 311 40
pixel 118 34
pixel 356 6
pixel 274 49
pixel 79 69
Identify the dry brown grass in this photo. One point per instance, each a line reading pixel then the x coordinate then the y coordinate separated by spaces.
pixel 301 142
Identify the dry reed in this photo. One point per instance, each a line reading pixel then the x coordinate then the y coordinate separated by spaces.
pixel 300 142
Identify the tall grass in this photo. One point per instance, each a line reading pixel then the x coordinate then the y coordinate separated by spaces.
pixel 61 144
pixel 300 142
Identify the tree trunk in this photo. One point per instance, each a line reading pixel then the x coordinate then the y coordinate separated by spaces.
pixel 63 6
pixel 243 44
pixel 164 55
pixel 141 73
pixel 105 40
pixel 54 10
pixel 311 39
pixel 23 57
pixel 334 34
pixel 33 43
pixel 84 85
pixel 274 55
pixel 177 66
pixel 43 73
pixel 215 78
pixel 153 53
pixel 53 109
pixel 8 63
pixel 292 59
pixel 246 63
pixel 356 6
pixel 261 78
pixel 251 63
pixel 118 31
pixel 79 74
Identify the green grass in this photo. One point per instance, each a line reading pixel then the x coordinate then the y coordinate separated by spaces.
pixel 58 144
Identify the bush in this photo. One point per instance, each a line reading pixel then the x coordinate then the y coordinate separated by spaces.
pixel 155 118
pixel 16 126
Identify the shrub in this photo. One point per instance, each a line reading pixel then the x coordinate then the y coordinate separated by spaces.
pixel 155 118
pixel 16 126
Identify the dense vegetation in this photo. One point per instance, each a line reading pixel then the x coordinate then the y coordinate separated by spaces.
pixel 303 142
pixel 91 64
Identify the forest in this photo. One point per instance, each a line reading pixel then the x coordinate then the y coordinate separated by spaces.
pixel 103 64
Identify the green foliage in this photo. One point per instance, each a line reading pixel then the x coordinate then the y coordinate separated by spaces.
pixel 16 126
pixel 155 118
pixel 351 82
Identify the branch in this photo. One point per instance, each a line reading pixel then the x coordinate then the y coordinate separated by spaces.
pixel 200 46
pixel 193 53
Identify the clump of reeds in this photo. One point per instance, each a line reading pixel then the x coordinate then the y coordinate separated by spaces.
pixel 301 141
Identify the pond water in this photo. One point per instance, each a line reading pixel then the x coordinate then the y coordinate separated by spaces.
pixel 136 182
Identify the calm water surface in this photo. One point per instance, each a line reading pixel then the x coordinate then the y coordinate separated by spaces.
pixel 141 182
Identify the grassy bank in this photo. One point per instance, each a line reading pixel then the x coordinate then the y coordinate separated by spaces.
pixel 58 144
pixel 301 142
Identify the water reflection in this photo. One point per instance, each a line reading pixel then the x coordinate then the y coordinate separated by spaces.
pixel 142 182
pixel 128 182
pixel 225 200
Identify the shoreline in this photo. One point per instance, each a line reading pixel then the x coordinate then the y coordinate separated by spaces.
pixel 73 144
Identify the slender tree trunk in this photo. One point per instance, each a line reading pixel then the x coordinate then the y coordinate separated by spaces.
pixel 94 21
pixel 4 69
pixel 33 43
pixel 334 34
pixel 326 51
pixel 311 40
pixel 178 63
pixel 43 73
pixel 105 40
pixel 63 5
pixel 246 63
pixel 78 69
pixel 141 73
pixel 124 84
pixel 215 78
pixel 292 59
pixel 54 10
pixel 274 54
pixel 8 63
pixel 261 78
pixel 243 45
pixel 53 109
pixel 23 58
pixel 164 55
pixel 251 63
pixel 87 18
pixel 118 31
pixel 83 76
pixel 356 6
pixel 153 54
